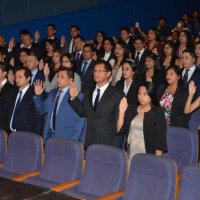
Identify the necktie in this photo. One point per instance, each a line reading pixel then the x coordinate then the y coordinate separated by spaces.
pixel 55 109
pixel 77 57
pixel 96 99
pixel 185 77
pixel 15 110
pixel 137 57
pixel 84 69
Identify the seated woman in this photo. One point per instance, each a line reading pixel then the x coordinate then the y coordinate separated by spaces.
pixel 192 106
pixel 128 84
pixel 172 98
pixel 144 125
pixel 67 60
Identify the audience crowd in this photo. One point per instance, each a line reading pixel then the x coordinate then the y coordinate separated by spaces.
pixel 121 91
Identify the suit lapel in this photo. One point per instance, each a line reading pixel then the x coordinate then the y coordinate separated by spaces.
pixel 105 96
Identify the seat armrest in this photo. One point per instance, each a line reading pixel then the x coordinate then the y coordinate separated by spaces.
pixel 112 195
pixel 65 185
pixel 26 175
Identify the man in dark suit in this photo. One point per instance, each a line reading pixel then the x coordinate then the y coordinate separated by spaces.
pixel 5 89
pixel 26 42
pixel 140 53
pixel 78 53
pixel 61 119
pixel 67 46
pixel 190 71
pixel 85 69
pixel 21 108
pixel 32 64
pixel 126 38
pixel 51 35
pixel 100 106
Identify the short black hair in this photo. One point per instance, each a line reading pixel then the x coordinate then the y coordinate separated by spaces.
pixel 52 25
pixel 79 37
pixel 107 65
pixel 190 51
pixel 112 42
pixel 69 72
pixel 127 29
pixel 90 46
pixel 27 71
pixel 3 67
pixel 75 26
pixel 139 38
pixel 25 32
pixel 27 51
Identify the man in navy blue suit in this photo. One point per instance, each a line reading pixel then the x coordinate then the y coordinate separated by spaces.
pixel 61 119
pixel 190 71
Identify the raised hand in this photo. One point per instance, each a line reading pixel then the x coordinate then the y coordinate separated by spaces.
pixel 41 64
pixel 38 87
pixel 123 105
pixel 12 61
pixel 11 43
pixel 62 40
pixel 192 88
pixel 37 36
pixel 73 91
pixel 46 70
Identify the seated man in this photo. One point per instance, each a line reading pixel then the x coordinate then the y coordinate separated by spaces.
pixel 61 119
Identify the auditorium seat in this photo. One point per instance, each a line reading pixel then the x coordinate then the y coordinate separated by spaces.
pixel 24 154
pixel 190 183
pixel 62 162
pixel 105 172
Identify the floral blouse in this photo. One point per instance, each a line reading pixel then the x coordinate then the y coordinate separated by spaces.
pixel 166 103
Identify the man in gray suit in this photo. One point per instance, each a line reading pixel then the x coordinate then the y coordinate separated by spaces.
pixel 100 106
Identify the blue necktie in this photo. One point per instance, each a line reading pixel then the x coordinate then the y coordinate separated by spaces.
pixel 55 109
pixel 96 99
pixel 84 69
pixel 15 110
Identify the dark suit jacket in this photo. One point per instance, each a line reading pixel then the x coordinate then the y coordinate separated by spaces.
pixel 79 61
pixel 178 117
pixel 141 64
pixel 16 51
pixel 101 124
pixel 4 95
pixel 131 96
pixel 154 128
pixel 87 82
pixel 39 76
pixel 196 78
pixel 27 118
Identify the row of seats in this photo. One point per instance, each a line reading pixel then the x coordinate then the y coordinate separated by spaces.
pixel 105 169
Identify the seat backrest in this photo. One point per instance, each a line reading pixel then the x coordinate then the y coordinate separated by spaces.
pixel 151 177
pixel 62 161
pixel 105 170
pixel 3 145
pixel 194 122
pixel 24 152
pixel 190 183
pixel 182 146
